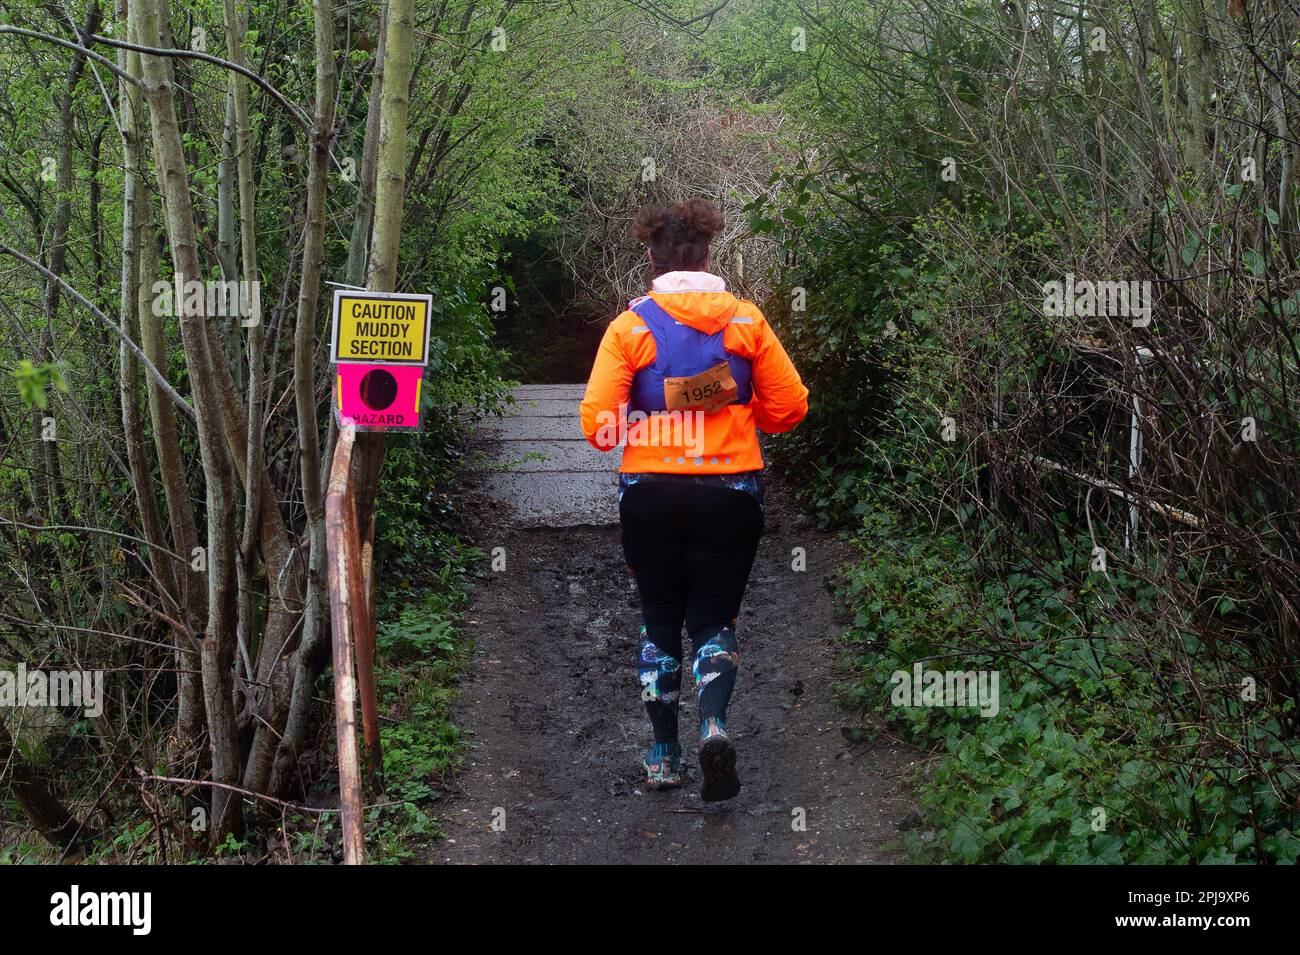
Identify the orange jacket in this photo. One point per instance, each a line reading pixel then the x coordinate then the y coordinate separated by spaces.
pixel 721 443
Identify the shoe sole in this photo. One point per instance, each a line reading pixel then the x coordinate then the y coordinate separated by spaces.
pixel 718 769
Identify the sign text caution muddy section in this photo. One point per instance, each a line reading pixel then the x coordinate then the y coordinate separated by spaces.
pixel 380 329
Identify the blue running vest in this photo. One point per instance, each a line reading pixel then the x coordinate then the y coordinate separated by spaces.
pixel 680 352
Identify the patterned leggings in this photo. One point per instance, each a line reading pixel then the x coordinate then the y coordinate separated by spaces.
pixel 691 548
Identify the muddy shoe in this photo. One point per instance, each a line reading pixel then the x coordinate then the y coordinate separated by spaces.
pixel 663 766
pixel 717 763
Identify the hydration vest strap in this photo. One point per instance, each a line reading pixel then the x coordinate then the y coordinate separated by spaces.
pixel 659 322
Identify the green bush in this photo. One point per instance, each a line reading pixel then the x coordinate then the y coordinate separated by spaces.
pixel 1078 766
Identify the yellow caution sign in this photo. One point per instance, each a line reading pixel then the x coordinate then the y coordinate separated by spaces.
pixel 375 328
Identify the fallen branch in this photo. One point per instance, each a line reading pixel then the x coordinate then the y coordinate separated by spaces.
pixel 1183 517
pixel 239 790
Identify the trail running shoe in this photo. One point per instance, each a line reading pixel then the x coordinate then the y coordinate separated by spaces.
pixel 663 766
pixel 717 762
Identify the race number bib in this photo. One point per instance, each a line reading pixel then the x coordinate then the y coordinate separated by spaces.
pixel 709 391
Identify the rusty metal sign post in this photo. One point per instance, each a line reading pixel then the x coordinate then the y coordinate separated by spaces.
pixel 354 640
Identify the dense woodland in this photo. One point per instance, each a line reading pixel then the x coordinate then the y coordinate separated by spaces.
pixel 934 201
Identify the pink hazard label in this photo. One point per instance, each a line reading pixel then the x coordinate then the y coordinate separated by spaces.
pixel 377 397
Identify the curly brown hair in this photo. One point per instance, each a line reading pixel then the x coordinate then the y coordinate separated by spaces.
pixel 678 235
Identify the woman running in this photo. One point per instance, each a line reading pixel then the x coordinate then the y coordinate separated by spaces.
pixel 686 375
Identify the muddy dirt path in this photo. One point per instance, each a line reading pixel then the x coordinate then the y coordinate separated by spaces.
pixel 558 731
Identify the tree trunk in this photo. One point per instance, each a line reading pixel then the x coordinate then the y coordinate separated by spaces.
pixel 219 638
pixel 390 194
pixel 364 214
pixel 252 455
pixel 176 494
pixel 312 656
pixel 48 815
pixel 260 763
pixel 49 492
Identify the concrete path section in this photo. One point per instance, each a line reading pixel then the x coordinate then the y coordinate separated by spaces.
pixel 543 472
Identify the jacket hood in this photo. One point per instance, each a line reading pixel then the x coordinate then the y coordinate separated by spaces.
pixel 697 299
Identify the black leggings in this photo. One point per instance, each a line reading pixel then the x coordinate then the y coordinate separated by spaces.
pixel 691 548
